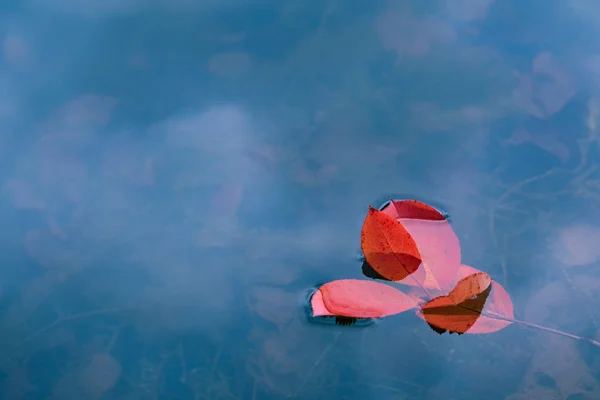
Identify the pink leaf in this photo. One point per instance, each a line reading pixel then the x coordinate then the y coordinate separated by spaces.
pixel 359 299
pixel 436 241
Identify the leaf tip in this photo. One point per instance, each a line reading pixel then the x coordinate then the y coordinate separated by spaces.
pixel 317 305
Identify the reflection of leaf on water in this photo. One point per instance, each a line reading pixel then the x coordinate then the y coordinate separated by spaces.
pixel 536 393
pixel 32 296
pixel 212 374
pixel 61 258
pixel 89 381
pixel 538 192
pixel 24 196
pixel 561 362
pixel 273 304
pixel 313 175
pixel 547 98
pixel 555 302
pixel 48 250
pixel 17 385
pixel 285 362
pixel 127 164
pixel 409 36
pixel 273 273
pixel 555 357
pixel 100 375
pixel 149 375
pixel 210 384
pixel 576 245
pixel 546 140
pixel 430 117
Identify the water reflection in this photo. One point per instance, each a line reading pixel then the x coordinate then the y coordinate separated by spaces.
pixel 177 175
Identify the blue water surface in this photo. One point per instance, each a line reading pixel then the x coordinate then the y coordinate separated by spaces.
pixel 178 176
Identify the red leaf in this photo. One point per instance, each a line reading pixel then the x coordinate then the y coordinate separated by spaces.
pixel 388 247
pixel 359 299
pixel 413 209
pixel 498 303
pixel 460 309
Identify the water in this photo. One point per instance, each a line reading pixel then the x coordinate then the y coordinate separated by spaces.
pixel 178 176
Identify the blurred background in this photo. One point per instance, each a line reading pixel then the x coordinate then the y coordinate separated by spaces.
pixel 177 175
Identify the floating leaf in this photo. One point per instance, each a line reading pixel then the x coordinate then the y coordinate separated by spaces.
pixel 459 310
pixel 388 247
pixel 396 241
pixel 498 303
pixel 437 244
pixel 318 305
pixel 357 298
pixel 439 248
pixel 413 209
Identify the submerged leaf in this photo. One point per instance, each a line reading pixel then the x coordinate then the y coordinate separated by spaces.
pixel 459 310
pixel 100 375
pixel 272 304
pixel 388 247
pixel 359 299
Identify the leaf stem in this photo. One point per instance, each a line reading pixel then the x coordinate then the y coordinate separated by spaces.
pixel 540 327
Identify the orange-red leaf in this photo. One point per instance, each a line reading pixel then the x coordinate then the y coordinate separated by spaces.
pixel 413 209
pixel 499 303
pixel 460 309
pixel 359 299
pixel 388 247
